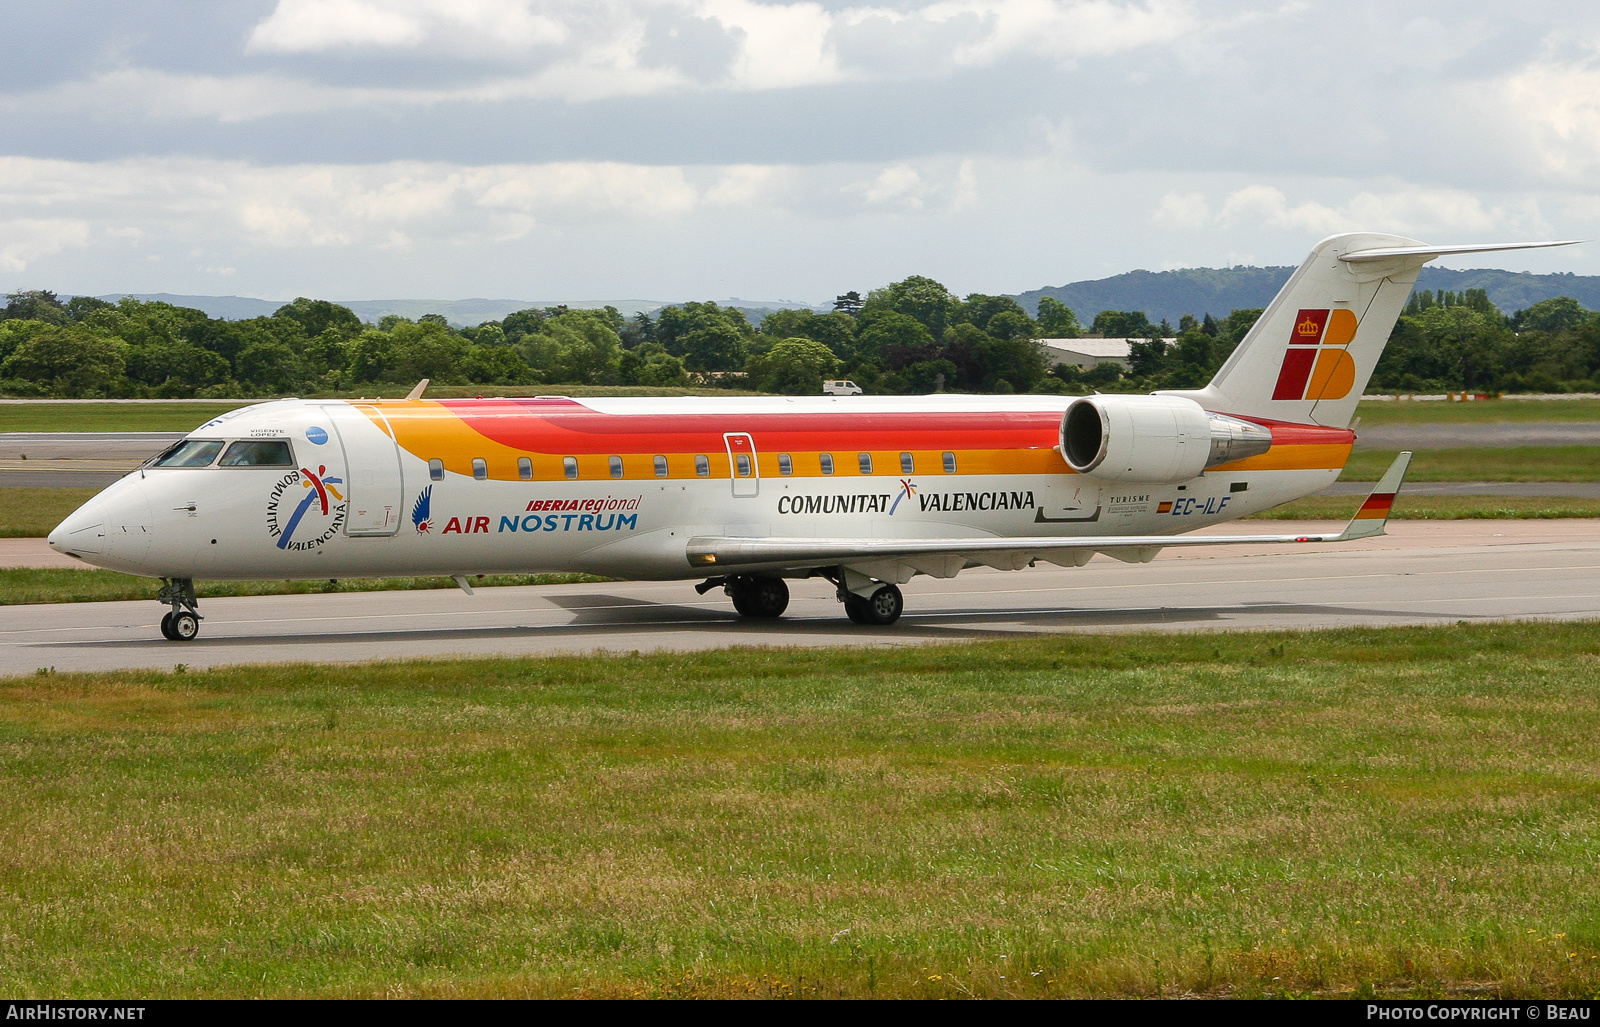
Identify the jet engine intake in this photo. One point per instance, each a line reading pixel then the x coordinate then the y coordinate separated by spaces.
pixel 1153 438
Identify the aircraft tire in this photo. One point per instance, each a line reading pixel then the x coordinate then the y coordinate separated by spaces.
pixel 855 608
pixel 885 606
pixel 766 597
pixel 184 626
pixel 166 626
pixel 760 597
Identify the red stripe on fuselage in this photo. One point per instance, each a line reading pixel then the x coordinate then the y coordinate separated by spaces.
pixel 559 425
pixel 575 428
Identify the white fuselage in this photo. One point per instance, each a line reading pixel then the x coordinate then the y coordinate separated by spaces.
pixel 356 504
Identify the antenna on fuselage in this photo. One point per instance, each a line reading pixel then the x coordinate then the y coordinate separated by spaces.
pixel 416 393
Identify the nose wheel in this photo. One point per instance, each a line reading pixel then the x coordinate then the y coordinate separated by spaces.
pixel 182 622
pixel 181 626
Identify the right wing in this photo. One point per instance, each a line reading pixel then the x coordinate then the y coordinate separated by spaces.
pixel 898 559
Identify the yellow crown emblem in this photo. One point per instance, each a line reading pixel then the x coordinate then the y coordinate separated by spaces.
pixel 1308 327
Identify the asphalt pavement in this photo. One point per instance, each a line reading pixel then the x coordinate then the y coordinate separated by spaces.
pixel 1424 572
pixel 1476 436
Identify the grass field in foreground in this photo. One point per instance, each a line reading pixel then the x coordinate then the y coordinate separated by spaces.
pixel 1393 812
pixel 1512 463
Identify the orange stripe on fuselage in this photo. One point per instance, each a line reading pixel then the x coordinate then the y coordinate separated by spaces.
pixel 544 431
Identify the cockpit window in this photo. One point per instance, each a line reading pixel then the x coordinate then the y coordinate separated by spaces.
pixel 190 453
pixel 258 453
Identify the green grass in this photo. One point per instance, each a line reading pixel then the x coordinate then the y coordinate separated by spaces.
pixel 1376 412
pixel 30 585
pixel 112 416
pixel 32 513
pixel 1394 812
pixel 1515 463
pixel 1436 508
pixel 158 416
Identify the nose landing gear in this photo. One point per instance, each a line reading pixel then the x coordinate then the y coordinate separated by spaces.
pixel 182 622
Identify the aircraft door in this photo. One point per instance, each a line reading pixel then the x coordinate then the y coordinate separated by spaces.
pixel 742 466
pixel 376 491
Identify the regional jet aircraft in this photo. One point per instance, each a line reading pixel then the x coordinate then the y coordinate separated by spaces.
pixel 865 492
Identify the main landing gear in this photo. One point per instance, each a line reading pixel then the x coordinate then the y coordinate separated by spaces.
pixel 867 601
pixel 880 609
pixel 182 622
pixel 758 596
pixel 752 596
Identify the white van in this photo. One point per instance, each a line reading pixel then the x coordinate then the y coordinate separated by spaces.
pixel 841 388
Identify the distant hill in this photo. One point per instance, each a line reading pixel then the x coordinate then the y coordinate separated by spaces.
pixel 1206 290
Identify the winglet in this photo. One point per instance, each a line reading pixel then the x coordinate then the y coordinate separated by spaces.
pixel 1369 521
pixel 416 393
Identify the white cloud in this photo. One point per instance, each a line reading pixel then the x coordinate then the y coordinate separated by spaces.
pixel 1409 211
pixel 1558 104
pixel 25 240
pixel 906 188
pixel 1181 210
pixel 301 26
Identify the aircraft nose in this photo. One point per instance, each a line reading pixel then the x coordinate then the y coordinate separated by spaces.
pixel 82 531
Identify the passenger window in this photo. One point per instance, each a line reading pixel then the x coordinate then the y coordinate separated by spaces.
pixel 189 453
pixel 524 468
pixel 908 464
pixel 827 463
pixel 436 469
pixel 702 466
pixel 742 460
pixel 258 453
pixel 785 465
pixel 661 467
pixel 480 468
pixel 949 463
pixel 865 460
pixel 616 466
pixel 570 465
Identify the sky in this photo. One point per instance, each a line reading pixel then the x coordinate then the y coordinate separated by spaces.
pixel 657 149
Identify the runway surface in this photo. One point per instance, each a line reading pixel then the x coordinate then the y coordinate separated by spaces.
pixel 1424 572
pixel 85 445
pixel 1472 436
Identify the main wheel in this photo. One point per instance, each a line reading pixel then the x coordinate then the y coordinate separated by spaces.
pixel 184 626
pixel 760 597
pixel 855 608
pixel 166 626
pixel 885 605
pixel 766 597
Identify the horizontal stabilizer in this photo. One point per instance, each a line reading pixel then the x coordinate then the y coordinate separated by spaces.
pixel 1385 252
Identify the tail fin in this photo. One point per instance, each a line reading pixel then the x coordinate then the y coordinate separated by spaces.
pixel 1310 355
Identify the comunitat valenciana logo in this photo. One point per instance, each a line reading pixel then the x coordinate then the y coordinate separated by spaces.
pixel 1317 363
pixel 316 518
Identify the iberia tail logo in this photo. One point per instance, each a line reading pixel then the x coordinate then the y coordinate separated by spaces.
pixel 1317 363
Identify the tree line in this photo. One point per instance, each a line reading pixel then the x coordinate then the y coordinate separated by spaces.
pixel 910 337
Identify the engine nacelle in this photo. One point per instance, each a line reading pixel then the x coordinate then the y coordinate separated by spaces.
pixel 1153 438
